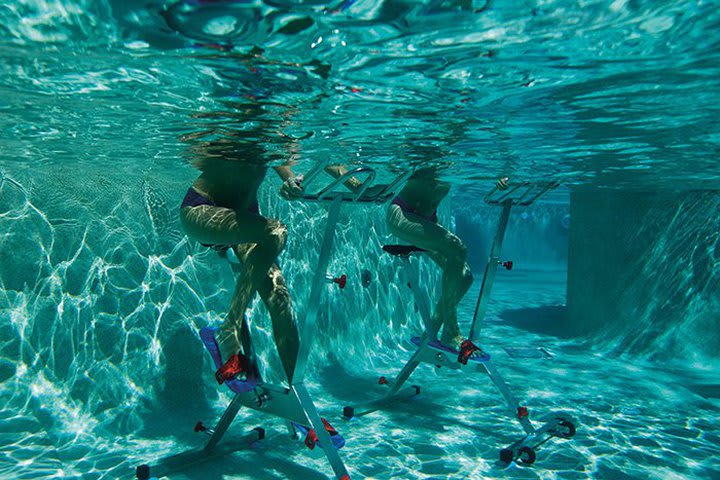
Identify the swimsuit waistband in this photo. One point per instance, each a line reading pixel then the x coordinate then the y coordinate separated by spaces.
pixel 407 208
pixel 194 199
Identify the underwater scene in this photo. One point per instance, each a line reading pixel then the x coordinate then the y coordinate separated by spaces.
pixel 312 239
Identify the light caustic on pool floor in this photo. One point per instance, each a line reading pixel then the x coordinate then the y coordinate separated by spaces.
pixel 635 420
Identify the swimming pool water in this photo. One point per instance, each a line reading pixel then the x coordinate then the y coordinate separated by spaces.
pixel 105 104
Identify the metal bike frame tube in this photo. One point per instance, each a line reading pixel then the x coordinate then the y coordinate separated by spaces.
pixel 224 423
pixel 318 284
pixel 291 429
pixel 372 406
pixel 505 196
pixel 510 399
pixel 407 370
pixel 314 172
pixel 490 269
pixel 323 437
pixel 431 329
pixel 180 461
pixel 421 300
pixel 542 190
pixel 325 192
pixel 396 184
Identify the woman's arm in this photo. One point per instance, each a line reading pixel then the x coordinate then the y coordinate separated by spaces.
pixel 285 172
pixel 292 184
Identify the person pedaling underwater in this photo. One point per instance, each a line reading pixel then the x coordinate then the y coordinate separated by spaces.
pixel 220 210
pixel 412 217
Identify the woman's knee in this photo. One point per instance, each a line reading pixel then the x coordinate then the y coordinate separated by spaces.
pixel 277 235
pixel 455 251
pixel 394 220
pixel 190 221
pixel 274 291
pixel 467 279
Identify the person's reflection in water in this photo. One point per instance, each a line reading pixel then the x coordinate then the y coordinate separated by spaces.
pixel 220 210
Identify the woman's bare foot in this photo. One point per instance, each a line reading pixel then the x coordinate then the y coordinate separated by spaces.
pixel 452 341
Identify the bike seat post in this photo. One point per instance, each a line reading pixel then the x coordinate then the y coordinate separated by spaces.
pixel 412 280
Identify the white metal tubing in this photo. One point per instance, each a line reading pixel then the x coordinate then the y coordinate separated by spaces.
pixel 227 417
pixel 431 329
pixel 543 188
pixel 510 399
pixel 314 172
pixel 407 370
pixel 181 461
pixel 325 192
pixel 318 284
pixel 489 276
pixel 395 185
pixel 364 185
pixel 506 195
pixel 529 192
pixel 375 405
pixel 323 437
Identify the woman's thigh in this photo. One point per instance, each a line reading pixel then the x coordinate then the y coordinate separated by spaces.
pixel 425 234
pixel 224 226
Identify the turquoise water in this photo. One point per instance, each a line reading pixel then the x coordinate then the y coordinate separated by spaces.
pixel 105 104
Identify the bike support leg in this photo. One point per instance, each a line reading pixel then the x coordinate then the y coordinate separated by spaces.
pixel 431 327
pixel 323 437
pixel 224 423
pixel 318 284
pixel 510 399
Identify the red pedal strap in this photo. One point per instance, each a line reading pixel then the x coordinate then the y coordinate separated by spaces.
pixel 329 428
pixel 467 348
pixel 311 438
pixel 234 366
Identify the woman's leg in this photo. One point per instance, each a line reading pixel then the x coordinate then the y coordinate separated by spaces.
pixel 449 252
pixel 275 295
pixel 224 226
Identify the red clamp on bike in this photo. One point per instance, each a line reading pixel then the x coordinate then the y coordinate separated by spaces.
pixel 508 265
pixel 341 280
pixel 199 427
pixel 522 412
pixel 311 437
pixel 467 348
pixel 382 381
pixel 236 365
